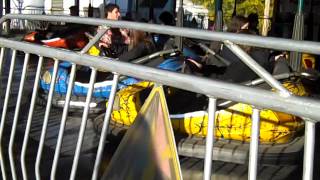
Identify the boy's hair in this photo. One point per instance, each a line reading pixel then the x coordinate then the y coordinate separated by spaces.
pixel 236 24
pixel 74 10
pixel 110 7
pixel 166 18
pixel 253 17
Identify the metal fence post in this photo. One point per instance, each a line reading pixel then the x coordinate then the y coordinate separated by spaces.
pixel 105 126
pixel 46 119
pixel 254 144
pixel 210 138
pixel 16 115
pixel 1 58
pixel 308 150
pixel 4 112
pixel 67 102
pixel 29 120
pixel 83 124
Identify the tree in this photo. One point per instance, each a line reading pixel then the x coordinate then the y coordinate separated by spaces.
pixel 244 7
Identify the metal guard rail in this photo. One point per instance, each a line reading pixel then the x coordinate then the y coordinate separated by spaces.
pixel 299 106
pixel 250 40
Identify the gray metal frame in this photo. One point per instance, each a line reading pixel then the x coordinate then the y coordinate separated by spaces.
pixel 250 40
pixel 219 89
pixel 283 101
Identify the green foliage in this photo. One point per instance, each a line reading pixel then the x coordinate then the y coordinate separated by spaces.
pixel 244 7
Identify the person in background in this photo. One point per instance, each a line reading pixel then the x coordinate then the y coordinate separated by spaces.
pixel 211 25
pixel 166 18
pixel 74 10
pixel 194 23
pixel 237 24
pixel 115 40
pixel 141 44
pixel 238 71
pixel 253 19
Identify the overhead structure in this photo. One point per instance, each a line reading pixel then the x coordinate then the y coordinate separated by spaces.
pixel 298 34
pixel 266 17
pixel 179 23
pixel 234 13
pixel 218 15
pixel 1 8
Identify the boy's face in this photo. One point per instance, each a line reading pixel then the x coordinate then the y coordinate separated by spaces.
pixel 114 14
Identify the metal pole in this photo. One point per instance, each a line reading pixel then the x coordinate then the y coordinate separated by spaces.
pixel 104 132
pixel 254 144
pixel 252 64
pixel 63 122
pixel 83 124
pixel 234 13
pixel 218 15
pixel 300 6
pixel 210 138
pixel 1 9
pixel 154 55
pixel 46 119
pixel 7 11
pixel 244 39
pixel 29 120
pixel 151 10
pixel 16 115
pixel 265 26
pixel 67 102
pixel 4 112
pixel 76 2
pixel 308 150
pixel 210 51
pixel 179 23
pixel 1 58
pixel 298 34
pixel 235 92
pixel 1 64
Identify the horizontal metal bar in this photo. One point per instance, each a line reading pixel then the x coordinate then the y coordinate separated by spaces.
pixel 154 55
pixel 244 39
pixel 300 106
pixel 94 40
pixel 210 51
pixel 278 77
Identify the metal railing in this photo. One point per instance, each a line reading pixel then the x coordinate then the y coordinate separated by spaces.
pixel 280 101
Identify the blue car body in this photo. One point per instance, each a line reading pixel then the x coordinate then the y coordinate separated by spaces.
pixel 101 89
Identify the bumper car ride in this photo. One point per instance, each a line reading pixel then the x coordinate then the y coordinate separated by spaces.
pixel 101 90
pixel 281 134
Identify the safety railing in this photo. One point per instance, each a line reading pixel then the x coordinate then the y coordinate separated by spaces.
pixel 283 101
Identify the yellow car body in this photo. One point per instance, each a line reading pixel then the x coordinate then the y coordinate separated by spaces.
pixel 233 122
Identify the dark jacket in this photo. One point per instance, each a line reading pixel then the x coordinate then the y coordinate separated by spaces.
pixel 238 71
pixel 142 49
